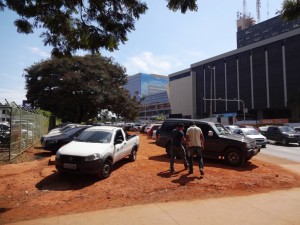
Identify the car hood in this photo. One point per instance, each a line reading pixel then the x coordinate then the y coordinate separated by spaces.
pixel 237 137
pixel 83 148
pixel 256 136
pixel 52 134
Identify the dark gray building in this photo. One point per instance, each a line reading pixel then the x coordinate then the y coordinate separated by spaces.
pixel 261 76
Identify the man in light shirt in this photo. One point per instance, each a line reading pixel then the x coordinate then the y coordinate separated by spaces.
pixel 195 140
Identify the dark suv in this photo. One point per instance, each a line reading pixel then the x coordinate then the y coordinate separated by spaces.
pixel 219 143
pixel 282 134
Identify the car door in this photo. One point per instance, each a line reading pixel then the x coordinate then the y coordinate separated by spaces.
pixel 128 144
pixel 119 143
pixel 212 144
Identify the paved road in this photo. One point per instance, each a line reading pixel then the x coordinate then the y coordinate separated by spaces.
pixel 290 152
pixel 276 208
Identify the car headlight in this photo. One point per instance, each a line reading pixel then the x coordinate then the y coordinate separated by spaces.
pixel 291 135
pixel 93 157
pixel 247 145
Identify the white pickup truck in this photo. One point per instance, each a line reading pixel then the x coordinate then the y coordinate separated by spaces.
pixel 95 151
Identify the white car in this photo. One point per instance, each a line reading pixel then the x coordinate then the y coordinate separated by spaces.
pixel 253 134
pixel 95 151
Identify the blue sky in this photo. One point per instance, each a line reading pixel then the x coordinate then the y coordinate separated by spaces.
pixel 163 42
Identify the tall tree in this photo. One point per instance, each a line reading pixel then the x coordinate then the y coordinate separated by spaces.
pixel 290 9
pixel 75 88
pixel 70 25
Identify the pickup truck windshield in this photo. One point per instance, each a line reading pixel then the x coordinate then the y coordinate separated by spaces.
pixel 221 130
pixel 286 129
pixel 95 136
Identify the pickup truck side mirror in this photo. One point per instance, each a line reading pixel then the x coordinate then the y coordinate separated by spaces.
pixel 210 133
pixel 118 141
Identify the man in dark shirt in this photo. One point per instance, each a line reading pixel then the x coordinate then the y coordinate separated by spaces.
pixel 177 140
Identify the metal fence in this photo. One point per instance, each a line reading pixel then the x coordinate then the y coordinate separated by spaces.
pixel 19 130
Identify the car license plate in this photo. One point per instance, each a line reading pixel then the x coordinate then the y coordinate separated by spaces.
pixel 70 166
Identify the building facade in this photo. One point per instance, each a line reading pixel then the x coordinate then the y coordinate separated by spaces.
pixel 151 89
pixel 155 105
pixel 254 81
pixel 143 84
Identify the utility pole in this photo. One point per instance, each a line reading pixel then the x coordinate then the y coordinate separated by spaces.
pixel 229 100
pixel 212 69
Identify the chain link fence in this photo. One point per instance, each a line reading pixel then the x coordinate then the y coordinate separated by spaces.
pixel 19 130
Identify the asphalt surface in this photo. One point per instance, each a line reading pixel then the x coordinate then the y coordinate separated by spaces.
pixel 276 208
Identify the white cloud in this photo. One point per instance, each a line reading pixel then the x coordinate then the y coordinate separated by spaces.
pixel 40 52
pixel 148 62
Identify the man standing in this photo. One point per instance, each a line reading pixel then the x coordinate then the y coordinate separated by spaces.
pixel 195 141
pixel 177 140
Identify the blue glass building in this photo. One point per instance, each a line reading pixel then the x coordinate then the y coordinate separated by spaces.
pixel 143 84
pixel 152 90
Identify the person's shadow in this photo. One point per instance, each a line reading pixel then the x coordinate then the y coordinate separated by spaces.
pixel 186 178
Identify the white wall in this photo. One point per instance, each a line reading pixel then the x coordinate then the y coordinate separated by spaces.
pixel 180 96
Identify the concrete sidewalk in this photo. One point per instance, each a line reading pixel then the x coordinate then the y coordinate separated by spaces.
pixel 276 208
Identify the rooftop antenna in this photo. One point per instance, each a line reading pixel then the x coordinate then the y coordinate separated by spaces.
pixel 267 9
pixel 244 8
pixel 258 4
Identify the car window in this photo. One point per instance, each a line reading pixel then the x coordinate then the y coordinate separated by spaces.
pixel 168 126
pixel 119 135
pixel 285 129
pixel 72 130
pixel 95 136
pixel 205 128
pixel 221 129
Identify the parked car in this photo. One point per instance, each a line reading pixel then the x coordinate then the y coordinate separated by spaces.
pixel 155 134
pixel 136 127
pixel 143 128
pixel 219 142
pixel 263 129
pixel 96 150
pixel 254 134
pixel 297 129
pixel 54 142
pixel 57 131
pixel 4 139
pixel 153 127
pixel 231 128
pixel 282 134
pixel 61 129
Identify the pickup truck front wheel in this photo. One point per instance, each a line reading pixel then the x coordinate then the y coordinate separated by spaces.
pixel 234 157
pixel 106 169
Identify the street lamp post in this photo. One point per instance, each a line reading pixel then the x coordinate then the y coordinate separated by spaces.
pixel 229 100
pixel 211 75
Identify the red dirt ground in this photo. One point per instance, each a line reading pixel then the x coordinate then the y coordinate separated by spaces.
pixel 31 188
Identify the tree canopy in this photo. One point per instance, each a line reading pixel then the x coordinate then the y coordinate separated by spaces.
pixel 70 25
pixel 290 9
pixel 77 88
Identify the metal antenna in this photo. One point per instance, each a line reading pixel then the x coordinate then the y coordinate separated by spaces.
pixel 258 4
